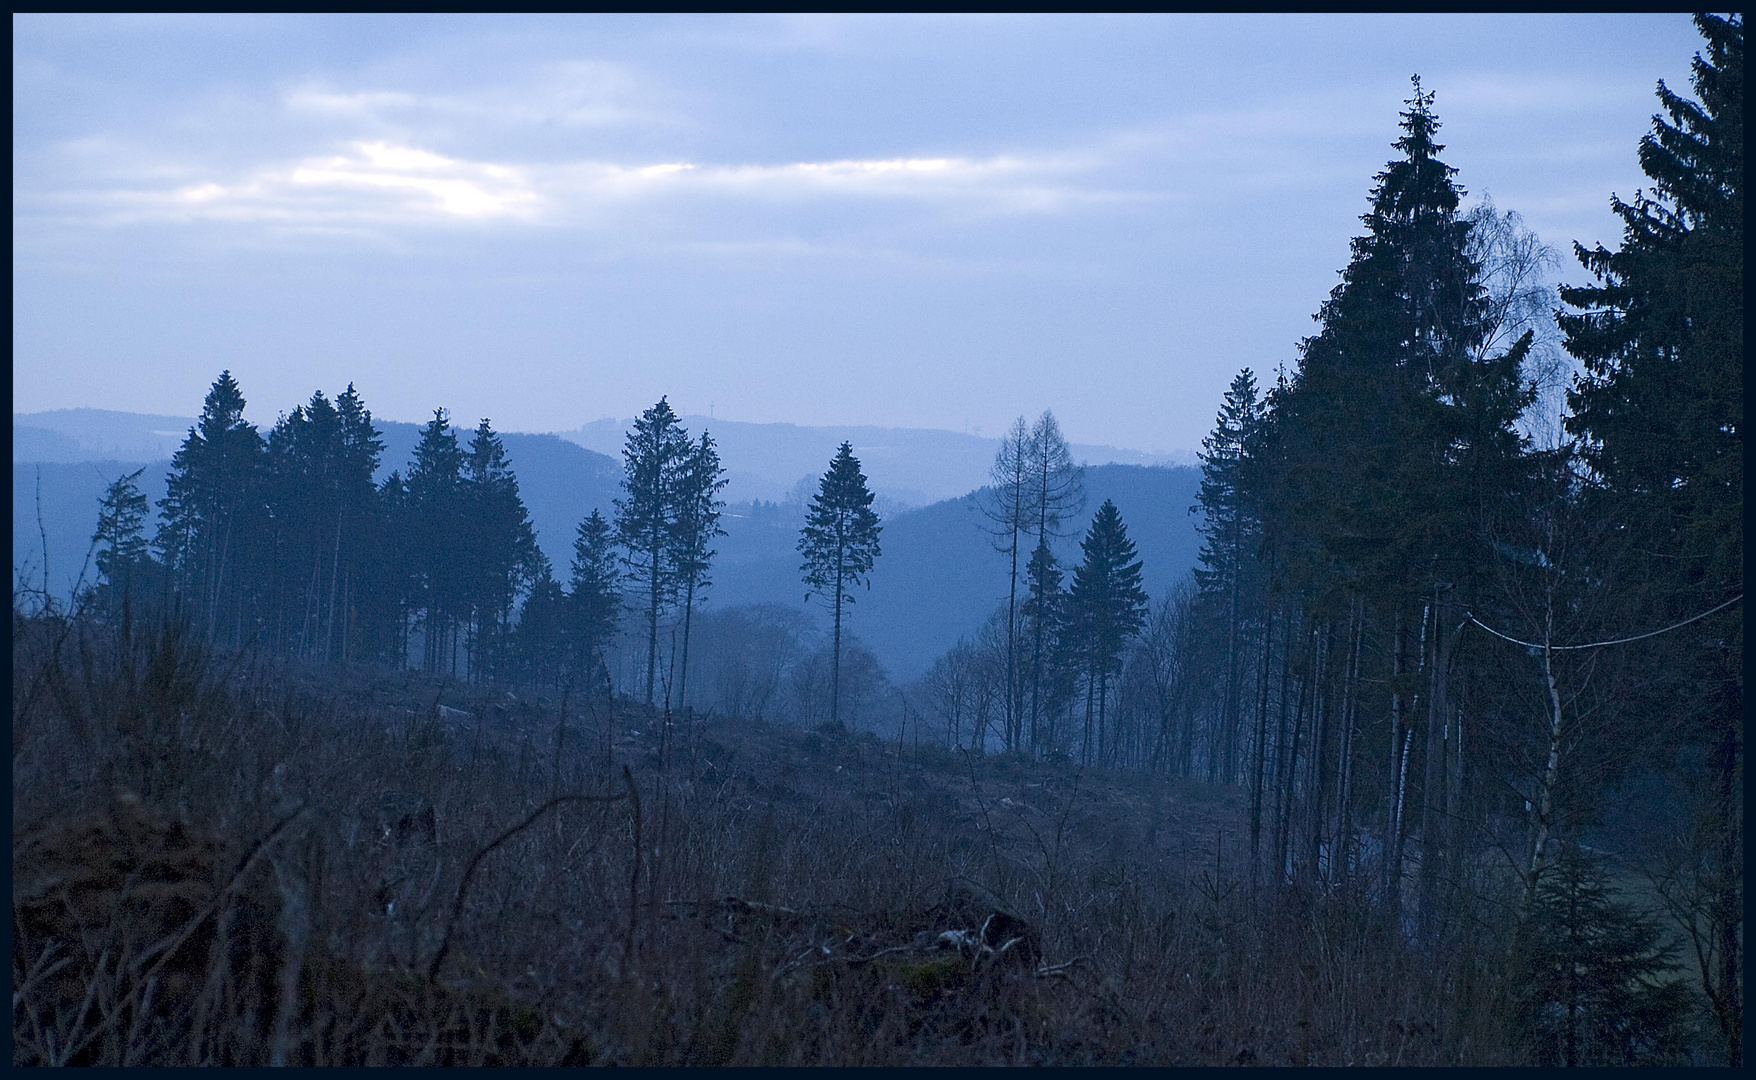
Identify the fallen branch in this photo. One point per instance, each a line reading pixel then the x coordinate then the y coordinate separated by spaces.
pixel 469 874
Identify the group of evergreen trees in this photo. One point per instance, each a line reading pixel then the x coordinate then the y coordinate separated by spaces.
pixel 1416 655
pixel 287 543
pixel 1433 629
pixel 1040 676
pixel 667 517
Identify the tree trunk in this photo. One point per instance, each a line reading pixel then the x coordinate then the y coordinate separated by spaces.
pixel 1546 786
pixel 1289 775
pixel 1229 767
pixel 1727 896
pixel 1388 871
pixel 1339 861
pixel 652 613
pixel 1435 812
pixel 683 675
pixel 1103 700
pixel 1320 726
pixel 835 661
pixel 1260 750
pixel 1014 692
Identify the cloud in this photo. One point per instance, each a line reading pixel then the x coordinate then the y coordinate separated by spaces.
pixel 574 94
pixel 367 182
pixel 384 183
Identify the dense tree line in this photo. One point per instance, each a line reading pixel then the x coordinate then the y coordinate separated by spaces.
pixel 1380 525
pixel 286 543
pixel 1405 640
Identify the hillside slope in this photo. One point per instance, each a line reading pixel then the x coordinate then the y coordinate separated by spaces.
pixel 939 576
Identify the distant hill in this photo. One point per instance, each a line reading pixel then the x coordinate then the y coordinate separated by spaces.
pixel 70 494
pixel 939 576
pixel 68 435
pixel 910 466
pixel 561 483
pixel 938 579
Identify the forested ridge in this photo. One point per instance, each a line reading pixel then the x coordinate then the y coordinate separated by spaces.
pixel 1459 669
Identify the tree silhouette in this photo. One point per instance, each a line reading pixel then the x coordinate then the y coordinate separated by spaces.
pixel 1659 412
pixel 540 640
pixel 1230 535
pixel 646 517
pixel 1009 505
pixel 699 483
pixel 1591 986
pixel 1057 491
pixel 594 599
pixel 840 544
pixel 124 561
pixel 211 513
pixel 434 515
pixel 361 529
pixel 1105 608
pixel 1044 618
pixel 501 557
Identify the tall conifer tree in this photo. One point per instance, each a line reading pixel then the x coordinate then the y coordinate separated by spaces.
pixel 1105 609
pixel 1660 413
pixel 1230 534
pixel 647 515
pixel 700 481
pixel 360 518
pixel 123 558
pixel 594 598
pixel 840 544
pixel 434 514
pixel 212 512
pixel 1057 487
pixel 501 557
pixel 1390 445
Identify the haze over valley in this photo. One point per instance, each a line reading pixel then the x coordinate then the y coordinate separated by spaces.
pixel 939 580
pixel 796 540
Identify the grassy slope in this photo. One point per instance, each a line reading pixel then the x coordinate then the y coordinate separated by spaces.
pixel 778 897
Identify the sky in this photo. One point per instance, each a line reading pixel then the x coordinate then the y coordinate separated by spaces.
pixel 938 222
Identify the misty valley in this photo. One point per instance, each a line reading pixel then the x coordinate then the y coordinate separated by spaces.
pixel 1402 725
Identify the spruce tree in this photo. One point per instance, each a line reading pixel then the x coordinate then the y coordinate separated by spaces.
pixel 434 513
pixel 123 558
pixel 388 590
pixel 540 640
pixel 1043 615
pixel 1659 412
pixel 840 544
pixel 1592 985
pixel 594 599
pixel 1384 458
pixel 1230 535
pixel 700 481
pixel 501 556
pixel 306 510
pixel 212 513
pixel 647 516
pixel 361 516
pixel 1105 609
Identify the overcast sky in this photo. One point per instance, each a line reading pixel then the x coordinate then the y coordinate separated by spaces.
pixel 926 222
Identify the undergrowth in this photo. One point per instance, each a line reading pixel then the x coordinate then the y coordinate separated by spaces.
pixel 233 860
